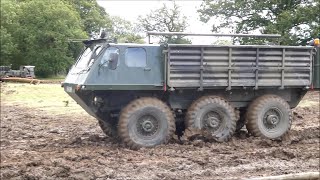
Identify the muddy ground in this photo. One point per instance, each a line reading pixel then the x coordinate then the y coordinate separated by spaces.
pixel 36 144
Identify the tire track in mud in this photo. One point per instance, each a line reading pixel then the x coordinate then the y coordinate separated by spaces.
pixel 37 145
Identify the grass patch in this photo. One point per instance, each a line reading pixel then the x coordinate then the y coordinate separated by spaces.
pixel 308 103
pixel 47 97
pixel 55 78
pixel 311 99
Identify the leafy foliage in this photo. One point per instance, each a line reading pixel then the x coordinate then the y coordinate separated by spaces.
pixel 46 27
pixel 296 20
pixel 93 16
pixel 7 46
pixel 37 33
pixel 125 31
pixel 8 24
pixel 166 19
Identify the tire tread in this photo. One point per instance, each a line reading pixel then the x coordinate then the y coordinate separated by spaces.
pixel 255 106
pixel 108 128
pixel 133 106
pixel 196 105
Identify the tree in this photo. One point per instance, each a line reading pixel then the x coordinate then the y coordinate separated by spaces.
pixel 296 20
pixel 8 25
pixel 7 46
pixel 222 42
pixel 92 15
pixel 43 33
pixel 125 31
pixel 166 19
pixel 36 32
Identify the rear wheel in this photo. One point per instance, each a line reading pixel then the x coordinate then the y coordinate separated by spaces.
pixel 108 127
pixel 269 116
pixel 214 114
pixel 146 122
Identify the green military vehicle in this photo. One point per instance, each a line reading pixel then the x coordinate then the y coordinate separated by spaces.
pixel 23 72
pixel 143 93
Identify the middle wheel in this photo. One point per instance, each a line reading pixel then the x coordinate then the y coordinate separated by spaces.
pixel 214 114
pixel 146 122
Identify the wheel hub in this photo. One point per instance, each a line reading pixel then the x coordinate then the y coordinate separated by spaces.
pixel 273 119
pixel 147 126
pixel 212 120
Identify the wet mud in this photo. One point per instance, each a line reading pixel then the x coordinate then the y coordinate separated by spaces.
pixel 35 144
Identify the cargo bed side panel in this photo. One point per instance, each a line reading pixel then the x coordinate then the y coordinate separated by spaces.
pixel 239 66
pixel 316 70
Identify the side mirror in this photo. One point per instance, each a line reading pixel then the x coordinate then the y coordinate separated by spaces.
pixel 113 61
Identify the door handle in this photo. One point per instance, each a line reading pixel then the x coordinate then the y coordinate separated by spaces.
pixel 147 69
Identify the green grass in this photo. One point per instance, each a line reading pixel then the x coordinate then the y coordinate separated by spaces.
pixel 55 78
pixel 47 97
pixel 308 103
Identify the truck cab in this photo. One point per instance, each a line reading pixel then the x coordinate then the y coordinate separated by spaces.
pixel 109 66
pixel 113 74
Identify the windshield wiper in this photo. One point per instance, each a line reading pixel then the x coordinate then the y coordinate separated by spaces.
pixel 100 65
pixel 82 71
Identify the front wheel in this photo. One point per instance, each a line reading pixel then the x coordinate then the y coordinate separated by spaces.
pixel 269 116
pixel 146 122
pixel 109 128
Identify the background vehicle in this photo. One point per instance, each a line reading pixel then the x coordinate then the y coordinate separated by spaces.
pixel 142 93
pixel 23 72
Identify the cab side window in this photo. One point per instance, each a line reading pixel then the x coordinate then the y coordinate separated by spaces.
pixel 136 57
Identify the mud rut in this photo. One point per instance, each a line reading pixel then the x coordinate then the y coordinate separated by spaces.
pixel 37 145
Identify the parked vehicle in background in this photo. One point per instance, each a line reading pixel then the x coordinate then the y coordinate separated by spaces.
pixel 143 93
pixel 23 72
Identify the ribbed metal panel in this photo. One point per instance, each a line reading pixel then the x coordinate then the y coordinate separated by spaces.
pixel 316 69
pixel 229 66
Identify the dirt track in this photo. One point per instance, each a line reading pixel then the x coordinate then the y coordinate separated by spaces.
pixel 38 145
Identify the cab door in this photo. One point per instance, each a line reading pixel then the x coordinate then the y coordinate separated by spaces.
pixel 142 66
pixel 137 68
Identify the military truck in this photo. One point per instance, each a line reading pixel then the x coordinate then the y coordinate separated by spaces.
pixel 23 72
pixel 143 93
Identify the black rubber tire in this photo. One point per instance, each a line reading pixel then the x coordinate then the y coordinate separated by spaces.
pixel 134 112
pixel 198 110
pixel 256 119
pixel 109 128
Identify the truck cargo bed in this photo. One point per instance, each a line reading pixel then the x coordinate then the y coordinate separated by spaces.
pixel 228 67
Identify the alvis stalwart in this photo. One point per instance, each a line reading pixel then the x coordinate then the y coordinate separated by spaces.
pixel 144 93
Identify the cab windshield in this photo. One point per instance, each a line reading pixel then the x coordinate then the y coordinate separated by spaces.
pixel 106 56
pixel 87 57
